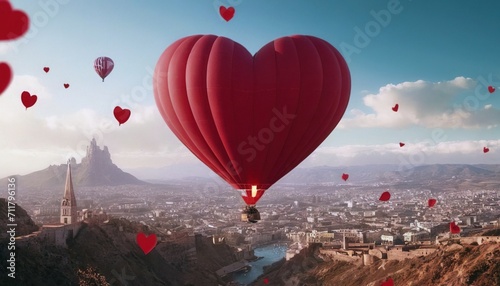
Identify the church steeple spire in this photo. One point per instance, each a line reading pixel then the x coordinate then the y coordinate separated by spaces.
pixel 68 204
pixel 69 193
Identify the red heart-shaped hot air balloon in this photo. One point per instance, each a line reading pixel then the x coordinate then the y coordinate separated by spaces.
pixel 251 119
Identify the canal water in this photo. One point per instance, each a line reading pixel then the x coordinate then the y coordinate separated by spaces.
pixel 271 253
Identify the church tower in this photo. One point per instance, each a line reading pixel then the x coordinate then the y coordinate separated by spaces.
pixel 68 203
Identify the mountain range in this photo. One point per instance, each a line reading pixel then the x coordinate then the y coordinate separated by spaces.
pixel 97 169
pixel 435 177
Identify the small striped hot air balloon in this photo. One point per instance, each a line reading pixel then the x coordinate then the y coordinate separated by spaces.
pixel 103 66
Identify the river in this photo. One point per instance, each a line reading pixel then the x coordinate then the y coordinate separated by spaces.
pixel 271 254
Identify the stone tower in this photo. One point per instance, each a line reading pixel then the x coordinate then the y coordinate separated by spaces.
pixel 68 203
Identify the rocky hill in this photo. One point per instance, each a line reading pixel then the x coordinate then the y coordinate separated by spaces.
pixel 109 252
pixel 95 169
pixel 25 224
pixel 452 265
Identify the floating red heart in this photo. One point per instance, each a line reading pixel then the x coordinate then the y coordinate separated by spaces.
pixel 491 89
pixel 46 69
pixel 13 23
pixel 401 144
pixel 122 115
pixel 266 281
pixel 345 176
pixel 28 99
pixel 385 196
pixel 395 108
pixel 432 202
pixel 226 13
pixel 454 228
pixel 146 243
pixel 388 282
pixel 5 77
pixel 66 85
pixel 486 149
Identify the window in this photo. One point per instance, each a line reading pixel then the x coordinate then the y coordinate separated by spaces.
pixel 65 220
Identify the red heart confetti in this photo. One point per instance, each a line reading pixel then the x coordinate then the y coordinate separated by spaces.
pixel 122 115
pixel 486 149
pixel 66 85
pixel 395 108
pixel 28 99
pixel 491 89
pixel 13 23
pixel 266 281
pixel 5 77
pixel 146 243
pixel 226 13
pixel 388 282
pixel 385 196
pixel 454 228
pixel 345 176
pixel 46 69
pixel 401 144
pixel 431 202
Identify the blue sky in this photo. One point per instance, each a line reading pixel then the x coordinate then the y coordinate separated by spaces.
pixel 428 56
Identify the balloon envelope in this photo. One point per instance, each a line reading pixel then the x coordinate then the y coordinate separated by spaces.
pixel 103 66
pixel 251 119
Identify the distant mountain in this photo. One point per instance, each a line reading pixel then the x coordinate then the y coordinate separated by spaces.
pixel 328 174
pixel 96 169
pixel 177 171
pixel 392 174
pixel 451 170
pixel 461 175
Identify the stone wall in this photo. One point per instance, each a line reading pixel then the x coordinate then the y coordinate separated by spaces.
pixel 479 239
pixel 55 234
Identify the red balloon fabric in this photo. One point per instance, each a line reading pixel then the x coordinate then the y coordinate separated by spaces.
pixel 251 119
pixel 103 66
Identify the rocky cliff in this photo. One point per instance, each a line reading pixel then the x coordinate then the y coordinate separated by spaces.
pixel 452 265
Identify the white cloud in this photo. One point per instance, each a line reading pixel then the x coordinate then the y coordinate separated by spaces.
pixel 424 104
pixel 30 141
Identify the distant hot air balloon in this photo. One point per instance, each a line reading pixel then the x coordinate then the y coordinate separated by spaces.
pixel 103 66
pixel 251 119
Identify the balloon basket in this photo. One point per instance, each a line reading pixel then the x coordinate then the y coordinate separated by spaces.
pixel 250 214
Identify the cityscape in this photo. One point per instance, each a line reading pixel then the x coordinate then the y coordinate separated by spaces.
pixel 347 219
